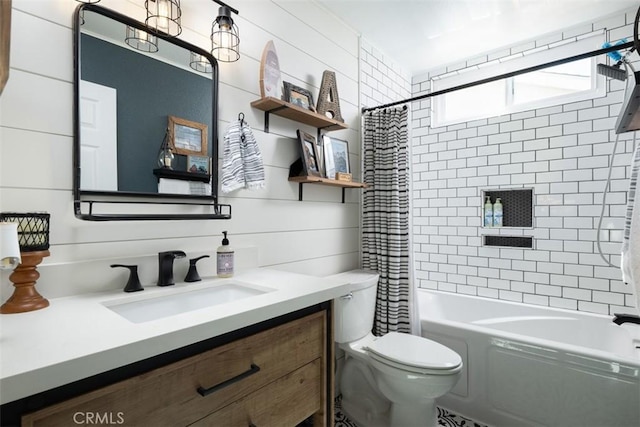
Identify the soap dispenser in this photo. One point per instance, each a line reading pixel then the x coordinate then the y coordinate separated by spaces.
pixel 225 258
pixel 488 212
pixel 497 213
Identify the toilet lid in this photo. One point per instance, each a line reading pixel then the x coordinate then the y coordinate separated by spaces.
pixel 414 351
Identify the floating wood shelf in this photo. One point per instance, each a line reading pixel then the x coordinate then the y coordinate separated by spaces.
pixel 182 175
pixel 287 110
pixel 324 181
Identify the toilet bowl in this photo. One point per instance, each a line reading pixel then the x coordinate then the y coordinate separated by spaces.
pixel 392 380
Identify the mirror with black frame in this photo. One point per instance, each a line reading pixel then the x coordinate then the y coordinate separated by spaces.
pixel 145 111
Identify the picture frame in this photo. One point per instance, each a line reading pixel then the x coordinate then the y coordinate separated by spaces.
pixel 309 154
pixel 187 137
pixel 329 166
pixel 298 96
pixel 199 164
pixel 337 150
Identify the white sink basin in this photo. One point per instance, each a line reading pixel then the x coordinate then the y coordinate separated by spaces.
pixel 158 307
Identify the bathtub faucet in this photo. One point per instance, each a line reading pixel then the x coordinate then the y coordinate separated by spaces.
pixel 619 319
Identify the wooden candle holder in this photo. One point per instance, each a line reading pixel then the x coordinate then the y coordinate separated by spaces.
pixel 25 296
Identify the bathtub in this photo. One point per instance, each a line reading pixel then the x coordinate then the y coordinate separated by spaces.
pixel 535 366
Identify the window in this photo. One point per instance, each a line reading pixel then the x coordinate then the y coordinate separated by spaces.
pixel 553 82
pixel 485 100
pixel 569 82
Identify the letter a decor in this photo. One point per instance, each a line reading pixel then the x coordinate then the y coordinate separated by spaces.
pixel 328 100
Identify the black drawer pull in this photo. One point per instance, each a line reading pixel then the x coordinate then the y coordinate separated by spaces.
pixel 207 391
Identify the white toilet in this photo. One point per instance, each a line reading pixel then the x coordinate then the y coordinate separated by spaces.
pixel 393 380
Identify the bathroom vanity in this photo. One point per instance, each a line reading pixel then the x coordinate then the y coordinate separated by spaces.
pixel 265 360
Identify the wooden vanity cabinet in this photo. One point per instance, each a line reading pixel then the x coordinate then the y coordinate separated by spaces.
pixel 279 376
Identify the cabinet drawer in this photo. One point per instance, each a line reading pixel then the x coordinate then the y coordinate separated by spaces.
pixel 168 396
pixel 285 402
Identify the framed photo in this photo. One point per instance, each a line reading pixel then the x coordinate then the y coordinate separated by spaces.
pixel 187 137
pixel 199 164
pixel 329 166
pixel 338 152
pixel 309 154
pixel 298 96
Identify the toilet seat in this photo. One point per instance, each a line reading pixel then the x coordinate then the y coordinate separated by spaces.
pixel 415 354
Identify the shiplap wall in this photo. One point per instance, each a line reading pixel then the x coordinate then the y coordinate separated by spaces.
pixel 269 228
pixel 563 152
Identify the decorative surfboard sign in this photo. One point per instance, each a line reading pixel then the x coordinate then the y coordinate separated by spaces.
pixel 270 77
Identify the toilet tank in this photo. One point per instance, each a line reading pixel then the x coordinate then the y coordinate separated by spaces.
pixel 353 312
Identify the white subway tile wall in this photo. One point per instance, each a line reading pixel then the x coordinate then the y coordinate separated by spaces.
pixel 382 80
pixel 563 153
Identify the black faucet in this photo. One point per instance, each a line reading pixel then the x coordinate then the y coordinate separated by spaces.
pixel 165 266
pixel 619 319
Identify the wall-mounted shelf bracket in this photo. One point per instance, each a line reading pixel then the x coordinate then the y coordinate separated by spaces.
pixel 266 117
pixel 300 192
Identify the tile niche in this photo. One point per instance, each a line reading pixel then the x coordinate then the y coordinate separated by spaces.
pixel 517 218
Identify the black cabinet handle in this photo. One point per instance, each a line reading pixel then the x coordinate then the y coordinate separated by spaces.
pixel 207 391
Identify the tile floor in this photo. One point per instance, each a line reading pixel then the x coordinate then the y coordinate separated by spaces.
pixel 445 418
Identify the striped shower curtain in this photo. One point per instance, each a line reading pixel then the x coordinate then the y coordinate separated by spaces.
pixel 385 211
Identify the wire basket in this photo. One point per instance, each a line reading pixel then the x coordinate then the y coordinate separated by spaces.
pixel 33 229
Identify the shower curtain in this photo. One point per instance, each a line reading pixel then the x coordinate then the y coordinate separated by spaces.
pixel 630 259
pixel 385 222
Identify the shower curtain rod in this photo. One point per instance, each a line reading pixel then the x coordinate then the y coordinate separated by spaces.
pixel 506 75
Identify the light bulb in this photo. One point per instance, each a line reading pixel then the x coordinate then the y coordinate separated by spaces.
pixel 142 36
pixel 163 14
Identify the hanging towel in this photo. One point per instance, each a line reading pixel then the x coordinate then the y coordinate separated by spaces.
pixel 630 259
pixel 241 159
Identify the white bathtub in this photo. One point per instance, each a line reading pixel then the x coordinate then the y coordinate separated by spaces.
pixel 536 366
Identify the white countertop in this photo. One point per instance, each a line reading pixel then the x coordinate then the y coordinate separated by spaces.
pixel 77 337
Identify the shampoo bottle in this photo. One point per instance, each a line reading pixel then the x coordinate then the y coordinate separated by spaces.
pixel 488 212
pixel 225 258
pixel 497 213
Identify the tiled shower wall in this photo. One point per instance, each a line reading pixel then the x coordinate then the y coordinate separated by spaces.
pixel 563 154
pixel 382 80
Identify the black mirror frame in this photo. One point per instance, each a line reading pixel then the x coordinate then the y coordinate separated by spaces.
pixel 111 197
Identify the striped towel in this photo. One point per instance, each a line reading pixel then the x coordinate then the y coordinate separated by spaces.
pixel 241 160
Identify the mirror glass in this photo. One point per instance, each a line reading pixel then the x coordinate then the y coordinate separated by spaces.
pixel 145 120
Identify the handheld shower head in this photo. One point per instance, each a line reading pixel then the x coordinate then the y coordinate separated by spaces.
pixel 612 72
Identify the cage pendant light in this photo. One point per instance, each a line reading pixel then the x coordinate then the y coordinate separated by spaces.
pixel 88 1
pixel 163 16
pixel 141 40
pixel 200 63
pixel 225 38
